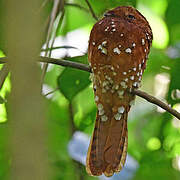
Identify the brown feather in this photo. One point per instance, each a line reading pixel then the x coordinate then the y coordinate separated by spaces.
pixel 118 49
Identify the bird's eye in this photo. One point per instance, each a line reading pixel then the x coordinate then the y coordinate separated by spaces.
pixel 130 16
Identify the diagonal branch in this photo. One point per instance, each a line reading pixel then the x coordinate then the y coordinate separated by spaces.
pixel 55 10
pixel 91 10
pixel 156 101
pixel 66 63
pixel 87 68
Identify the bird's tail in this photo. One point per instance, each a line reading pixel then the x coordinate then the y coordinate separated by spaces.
pixel 108 147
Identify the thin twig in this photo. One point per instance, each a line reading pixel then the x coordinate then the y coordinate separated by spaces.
pixel 78 6
pixel 156 101
pixel 87 68
pixel 60 62
pixel 71 118
pixel 53 16
pixel 59 47
pixel 51 92
pixel 66 63
pixel 91 10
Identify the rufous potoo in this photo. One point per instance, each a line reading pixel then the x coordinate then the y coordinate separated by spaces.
pixel 119 45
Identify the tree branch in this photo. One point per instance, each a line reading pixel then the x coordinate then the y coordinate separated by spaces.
pixel 91 10
pixel 66 63
pixel 87 68
pixel 156 101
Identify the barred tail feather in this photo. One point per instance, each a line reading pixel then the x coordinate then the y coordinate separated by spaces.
pixel 108 147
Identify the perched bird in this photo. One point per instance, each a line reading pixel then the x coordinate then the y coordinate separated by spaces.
pixel 118 49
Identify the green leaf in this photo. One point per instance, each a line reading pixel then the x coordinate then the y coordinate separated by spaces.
pixel 85 113
pixel 72 81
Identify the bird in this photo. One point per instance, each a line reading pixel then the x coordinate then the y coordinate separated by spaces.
pixel 118 49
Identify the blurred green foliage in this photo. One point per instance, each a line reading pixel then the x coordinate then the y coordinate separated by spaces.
pixel 154 135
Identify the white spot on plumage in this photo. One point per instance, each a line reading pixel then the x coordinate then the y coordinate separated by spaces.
pixel 107 87
pixel 114 73
pixel 116 50
pixel 124 73
pixel 135 84
pixel 111 81
pixel 104 51
pixel 113 30
pixel 104 118
pixel 120 92
pixel 93 43
pixel 134 69
pixel 96 98
pixel 123 84
pixel 100 47
pixel 121 110
pixel 100 106
pixel 107 77
pixel 117 116
pixel 106 28
pixel 105 83
pixel 126 79
pixel 104 43
pixel 116 87
pixel 132 77
pixel 91 77
pixel 121 34
pixel 133 44
pixel 128 50
pixel 143 42
pixel 101 112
